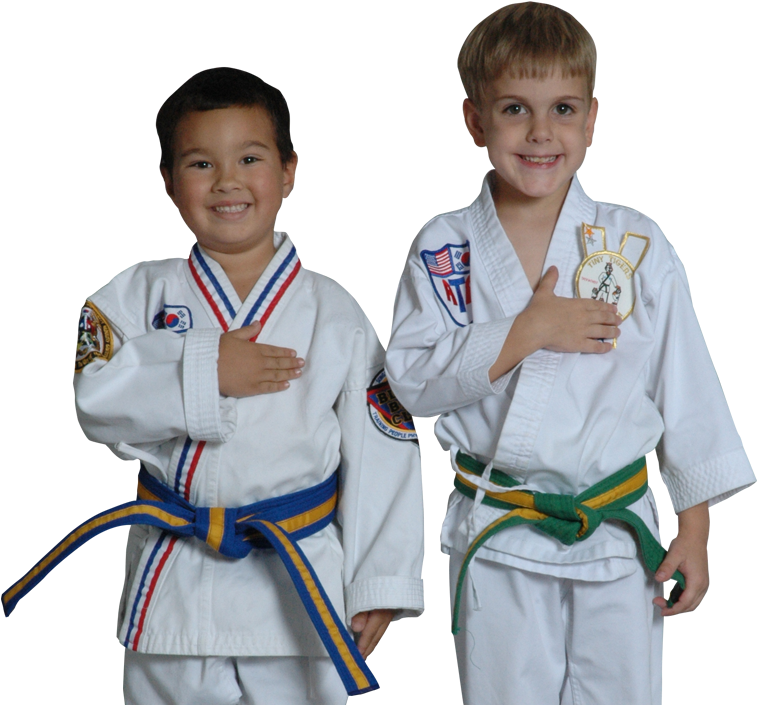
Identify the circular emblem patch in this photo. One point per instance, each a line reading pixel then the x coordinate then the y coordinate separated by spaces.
pixel 388 415
pixel 607 276
pixel 95 338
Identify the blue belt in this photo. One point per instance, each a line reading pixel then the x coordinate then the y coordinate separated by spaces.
pixel 278 523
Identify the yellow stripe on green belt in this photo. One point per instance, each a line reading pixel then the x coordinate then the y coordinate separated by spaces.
pixel 564 517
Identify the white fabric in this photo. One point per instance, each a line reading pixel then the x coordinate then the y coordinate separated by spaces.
pixel 561 422
pixel 536 639
pixel 150 679
pixel 161 387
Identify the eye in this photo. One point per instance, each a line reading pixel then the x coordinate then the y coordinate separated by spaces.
pixel 200 165
pixel 564 109
pixel 250 160
pixel 514 109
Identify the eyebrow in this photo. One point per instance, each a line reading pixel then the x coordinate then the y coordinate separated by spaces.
pixel 246 145
pixel 521 99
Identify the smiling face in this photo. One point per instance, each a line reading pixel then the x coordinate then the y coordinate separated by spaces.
pixel 536 132
pixel 227 179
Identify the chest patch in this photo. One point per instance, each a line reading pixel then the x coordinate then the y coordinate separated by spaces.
pixel 449 271
pixel 608 276
pixel 94 339
pixel 386 412
pixel 175 318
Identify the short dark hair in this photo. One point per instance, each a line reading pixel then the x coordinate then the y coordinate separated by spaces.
pixel 218 88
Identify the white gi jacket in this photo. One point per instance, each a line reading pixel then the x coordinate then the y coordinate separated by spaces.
pixel 559 422
pixel 156 399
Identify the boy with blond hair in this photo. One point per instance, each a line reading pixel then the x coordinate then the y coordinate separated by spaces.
pixel 556 339
pixel 189 366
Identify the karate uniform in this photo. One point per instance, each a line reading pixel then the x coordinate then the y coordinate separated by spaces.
pixel 153 396
pixel 557 422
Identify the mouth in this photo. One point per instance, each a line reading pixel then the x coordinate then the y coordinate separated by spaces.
pixel 236 208
pixel 539 160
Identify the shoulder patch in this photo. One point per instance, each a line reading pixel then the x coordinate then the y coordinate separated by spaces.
pixel 175 318
pixel 449 271
pixel 95 338
pixel 386 412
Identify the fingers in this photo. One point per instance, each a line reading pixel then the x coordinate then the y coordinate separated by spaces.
pixel 690 599
pixel 697 581
pixel 548 281
pixel 358 622
pixel 376 623
pixel 247 332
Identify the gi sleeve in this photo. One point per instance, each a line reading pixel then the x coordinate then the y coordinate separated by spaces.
pixel 380 503
pixel 700 453
pixel 139 387
pixel 433 364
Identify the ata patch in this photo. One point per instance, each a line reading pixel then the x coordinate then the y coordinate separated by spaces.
pixel 389 416
pixel 175 318
pixel 449 271
pixel 95 338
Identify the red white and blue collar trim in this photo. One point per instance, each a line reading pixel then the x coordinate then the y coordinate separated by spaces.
pixel 219 295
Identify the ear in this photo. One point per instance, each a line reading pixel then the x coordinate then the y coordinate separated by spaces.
pixel 167 180
pixel 473 122
pixel 289 168
pixel 590 120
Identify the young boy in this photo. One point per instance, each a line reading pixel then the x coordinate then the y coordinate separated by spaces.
pixel 508 325
pixel 190 367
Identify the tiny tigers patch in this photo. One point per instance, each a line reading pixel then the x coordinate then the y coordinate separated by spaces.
pixel 95 338
pixel 388 415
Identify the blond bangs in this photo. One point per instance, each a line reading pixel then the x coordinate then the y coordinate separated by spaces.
pixel 526 40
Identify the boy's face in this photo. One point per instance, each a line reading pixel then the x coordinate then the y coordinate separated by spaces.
pixel 536 132
pixel 227 179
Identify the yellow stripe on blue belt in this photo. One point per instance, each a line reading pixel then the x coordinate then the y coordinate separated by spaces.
pixel 278 522
pixel 565 517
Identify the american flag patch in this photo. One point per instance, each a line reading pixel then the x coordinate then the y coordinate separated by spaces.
pixel 449 270
pixel 439 262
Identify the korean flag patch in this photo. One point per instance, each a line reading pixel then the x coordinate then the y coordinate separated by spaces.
pixel 175 318
pixel 449 271
pixel 386 412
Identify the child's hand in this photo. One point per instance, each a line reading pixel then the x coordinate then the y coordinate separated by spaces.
pixel 570 325
pixel 688 553
pixel 371 627
pixel 557 323
pixel 246 368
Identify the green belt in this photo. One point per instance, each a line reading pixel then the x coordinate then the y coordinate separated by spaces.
pixel 565 517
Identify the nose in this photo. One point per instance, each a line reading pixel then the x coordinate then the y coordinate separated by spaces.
pixel 227 179
pixel 540 130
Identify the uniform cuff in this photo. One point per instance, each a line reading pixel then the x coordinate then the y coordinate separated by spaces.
pixel 393 593
pixel 482 348
pixel 710 481
pixel 209 416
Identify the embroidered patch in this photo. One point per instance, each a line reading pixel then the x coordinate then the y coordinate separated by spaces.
pixel 389 416
pixel 608 276
pixel 175 318
pixel 95 338
pixel 449 271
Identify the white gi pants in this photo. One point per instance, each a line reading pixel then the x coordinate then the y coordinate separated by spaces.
pixel 151 679
pixel 536 639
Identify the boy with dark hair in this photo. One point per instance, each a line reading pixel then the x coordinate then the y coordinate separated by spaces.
pixel 190 367
pixel 508 325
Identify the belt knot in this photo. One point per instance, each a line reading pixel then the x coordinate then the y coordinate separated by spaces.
pixel 569 519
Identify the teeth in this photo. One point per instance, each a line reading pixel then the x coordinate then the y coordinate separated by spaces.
pixel 540 160
pixel 230 209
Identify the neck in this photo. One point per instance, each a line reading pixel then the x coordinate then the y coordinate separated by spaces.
pixel 244 268
pixel 516 210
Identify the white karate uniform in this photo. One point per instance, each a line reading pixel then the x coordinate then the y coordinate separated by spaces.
pixel 157 400
pixel 558 422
